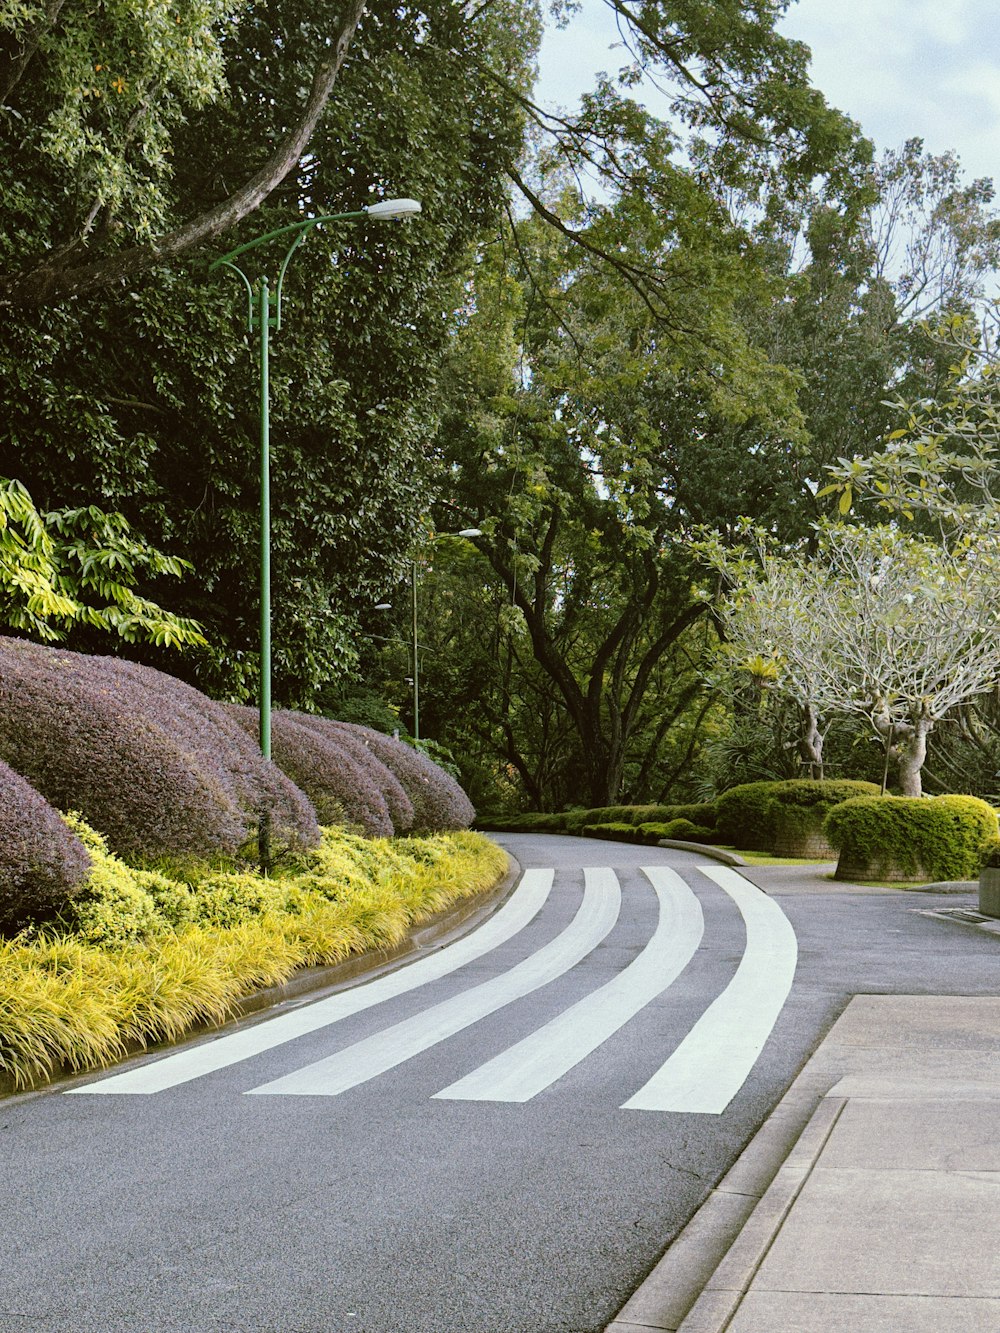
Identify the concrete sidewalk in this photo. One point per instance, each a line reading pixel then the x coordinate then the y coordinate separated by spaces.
pixel 869 1202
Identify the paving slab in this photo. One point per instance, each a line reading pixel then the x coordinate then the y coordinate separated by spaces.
pixel 919 1233
pixel 823 1312
pixel 921 1135
pixel 907 1022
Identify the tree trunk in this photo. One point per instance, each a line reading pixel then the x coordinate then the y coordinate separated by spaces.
pixel 811 741
pixel 911 751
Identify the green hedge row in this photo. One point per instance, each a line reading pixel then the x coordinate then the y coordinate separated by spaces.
pixel 877 837
pixel 575 821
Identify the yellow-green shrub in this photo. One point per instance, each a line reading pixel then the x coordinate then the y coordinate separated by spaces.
pixel 144 957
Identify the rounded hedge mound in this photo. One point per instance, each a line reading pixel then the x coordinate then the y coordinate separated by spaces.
pixel 903 838
pixel 439 803
pixel 748 816
pixel 345 783
pixel 153 764
pixel 43 865
pixel 348 741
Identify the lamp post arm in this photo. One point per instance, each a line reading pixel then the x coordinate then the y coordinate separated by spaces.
pixel 224 263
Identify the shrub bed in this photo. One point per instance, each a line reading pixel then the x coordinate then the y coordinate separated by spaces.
pixel 901 838
pixel 42 863
pixel 157 766
pixel 141 957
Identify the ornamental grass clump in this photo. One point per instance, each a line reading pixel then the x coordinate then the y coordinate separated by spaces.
pixel 140 957
pixel 158 767
pixel 43 865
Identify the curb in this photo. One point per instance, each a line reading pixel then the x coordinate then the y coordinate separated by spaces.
pixel 700 1280
pixel 706 849
pixel 434 933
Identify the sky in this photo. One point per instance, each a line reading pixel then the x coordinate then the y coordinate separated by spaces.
pixel 902 68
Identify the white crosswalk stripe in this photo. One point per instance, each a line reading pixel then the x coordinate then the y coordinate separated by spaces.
pixel 366 1059
pixel 713 1061
pixel 525 1069
pixel 195 1061
pixel 701 1076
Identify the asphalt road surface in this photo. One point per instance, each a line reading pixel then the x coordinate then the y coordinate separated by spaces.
pixel 501 1137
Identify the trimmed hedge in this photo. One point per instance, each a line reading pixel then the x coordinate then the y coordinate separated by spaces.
pixel 344 780
pixel 901 838
pixel 748 816
pixel 439 803
pixel 677 830
pixel 615 831
pixel 149 761
pixel 574 821
pixel 43 865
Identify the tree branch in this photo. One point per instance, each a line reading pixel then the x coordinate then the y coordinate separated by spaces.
pixel 50 282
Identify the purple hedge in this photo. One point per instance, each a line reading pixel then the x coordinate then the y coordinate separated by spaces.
pixel 439 803
pixel 42 864
pixel 150 762
pixel 346 740
pixel 344 782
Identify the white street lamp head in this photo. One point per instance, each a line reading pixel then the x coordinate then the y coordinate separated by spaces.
pixel 388 209
pixel 470 532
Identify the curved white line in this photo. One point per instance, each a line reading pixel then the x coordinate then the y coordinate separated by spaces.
pixel 205 1058
pixel 527 1068
pixel 384 1050
pixel 712 1063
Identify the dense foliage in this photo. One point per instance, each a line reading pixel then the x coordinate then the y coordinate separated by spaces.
pixel 152 763
pixel 42 864
pixel 143 397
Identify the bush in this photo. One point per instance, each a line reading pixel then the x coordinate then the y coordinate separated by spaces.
pixel 43 865
pixel 747 816
pixel 799 809
pixel 897 837
pixel 345 782
pixel 439 803
pixel 678 830
pixel 616 831
pixel 152 763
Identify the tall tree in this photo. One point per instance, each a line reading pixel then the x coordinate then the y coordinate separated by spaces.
pixel 144 396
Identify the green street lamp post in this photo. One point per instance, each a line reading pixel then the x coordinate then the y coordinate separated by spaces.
pixel 465 532
pixel 264 314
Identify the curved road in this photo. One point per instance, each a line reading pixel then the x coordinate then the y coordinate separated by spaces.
pixel 500 1137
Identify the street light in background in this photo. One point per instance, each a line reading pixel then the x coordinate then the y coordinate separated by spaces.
pixel 264 314
pixel 465 532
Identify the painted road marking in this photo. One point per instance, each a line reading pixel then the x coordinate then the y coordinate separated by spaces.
pixel 712 1063
pixel 196 1061
pixel 385 1050
pixel 530 1066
